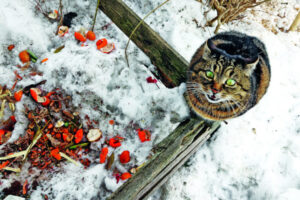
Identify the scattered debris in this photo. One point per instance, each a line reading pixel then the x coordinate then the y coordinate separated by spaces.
pixel 91 35
pixel 53 15
pixel 94 135
pixel 103 155
pixel 62 30
pixel 125 157
pixel 115 141
pixel 78 36
pixel 67 20
pixel 151 80
pixel 108 48
pixel 24 56
pixel 125 176
pixel 144 135
pixel 101 43
pixel 11 47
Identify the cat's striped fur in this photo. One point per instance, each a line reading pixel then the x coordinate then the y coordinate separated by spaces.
pixel 227 76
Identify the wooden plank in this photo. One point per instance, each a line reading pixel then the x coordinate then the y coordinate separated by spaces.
pixel 171 65
pixel 169 155
pixel 174 150
pixel 172 167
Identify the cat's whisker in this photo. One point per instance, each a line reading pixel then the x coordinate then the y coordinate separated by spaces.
pixel 230 106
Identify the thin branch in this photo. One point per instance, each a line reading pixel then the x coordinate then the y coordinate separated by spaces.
pixel 295 23
pixel 61 16
pixel 138 25
pixel 94 20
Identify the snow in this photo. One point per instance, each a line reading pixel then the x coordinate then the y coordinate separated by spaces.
pixel 255 156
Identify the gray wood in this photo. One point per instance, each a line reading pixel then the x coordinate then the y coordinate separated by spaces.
pixel 169 155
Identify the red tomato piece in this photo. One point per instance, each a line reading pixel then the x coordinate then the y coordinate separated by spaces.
pixel 125 157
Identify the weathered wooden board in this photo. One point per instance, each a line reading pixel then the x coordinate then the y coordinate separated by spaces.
pixel 174 150
pixel 169 155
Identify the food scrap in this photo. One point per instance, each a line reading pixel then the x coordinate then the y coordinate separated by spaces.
pixel 91 35
pixel 125 157
pixel 11 47
pixel 78 36
pixel 24 56
pixel 144 135
pixel 103 155
pixel 125 176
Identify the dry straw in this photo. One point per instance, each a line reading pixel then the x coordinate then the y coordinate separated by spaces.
pixel 229 10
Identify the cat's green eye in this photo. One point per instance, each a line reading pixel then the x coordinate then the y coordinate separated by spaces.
pixel 230 82
pixel 209 74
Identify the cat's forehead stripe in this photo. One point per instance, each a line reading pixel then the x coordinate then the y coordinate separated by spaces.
pixel 228 70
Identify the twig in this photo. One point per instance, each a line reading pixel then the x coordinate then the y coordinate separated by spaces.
pixel 138 25
pixel 37 136
pixel 61 16
pixel 295 23
pixel 229 10
pixel 18 154
pixel 41 10
pixel 69 159
pixel 94 20
pixel 17 170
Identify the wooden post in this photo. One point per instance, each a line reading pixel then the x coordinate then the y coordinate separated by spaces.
pixel 175 149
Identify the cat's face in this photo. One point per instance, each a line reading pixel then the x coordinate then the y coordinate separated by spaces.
pixel 227 76
pixel 219 78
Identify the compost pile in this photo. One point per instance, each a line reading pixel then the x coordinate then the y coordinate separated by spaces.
pixel 54 133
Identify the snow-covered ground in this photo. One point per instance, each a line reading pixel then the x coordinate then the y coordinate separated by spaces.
pixel 255 156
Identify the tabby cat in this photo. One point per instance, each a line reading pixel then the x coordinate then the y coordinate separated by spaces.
pixel 227 76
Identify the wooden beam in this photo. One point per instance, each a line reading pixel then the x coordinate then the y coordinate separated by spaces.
pixel 171 65
pixel 169 155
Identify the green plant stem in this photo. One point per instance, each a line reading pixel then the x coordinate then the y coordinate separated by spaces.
pixel 94 20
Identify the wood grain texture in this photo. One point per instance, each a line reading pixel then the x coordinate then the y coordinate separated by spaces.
pixel 169 155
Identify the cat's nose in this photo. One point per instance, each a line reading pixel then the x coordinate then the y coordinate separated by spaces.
pixel 216 88
pixel 215 91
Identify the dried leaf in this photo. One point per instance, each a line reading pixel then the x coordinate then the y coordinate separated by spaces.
pixel 11 106
pixel 68 114
pixel 53 141
pixel 2 108
pixel 59 49
pixel 110 162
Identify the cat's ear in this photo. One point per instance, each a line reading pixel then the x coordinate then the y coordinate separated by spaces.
pixel 251 65
pixel 207 50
